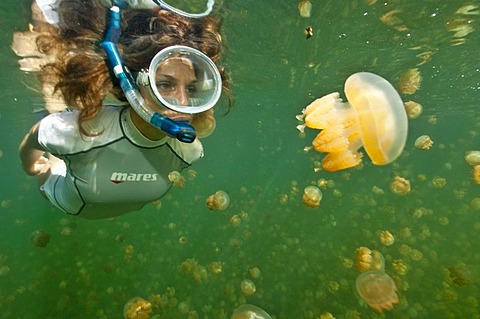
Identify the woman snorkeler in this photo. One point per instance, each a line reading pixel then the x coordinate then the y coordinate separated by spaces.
pixel 97 160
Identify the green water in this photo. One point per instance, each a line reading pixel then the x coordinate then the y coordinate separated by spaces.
pixel 256 155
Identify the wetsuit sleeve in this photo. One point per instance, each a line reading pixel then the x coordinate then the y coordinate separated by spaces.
pixel 59 132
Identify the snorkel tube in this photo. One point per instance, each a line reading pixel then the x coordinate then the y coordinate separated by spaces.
pixel 181 130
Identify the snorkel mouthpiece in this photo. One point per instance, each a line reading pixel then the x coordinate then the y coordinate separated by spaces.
pixel 183 131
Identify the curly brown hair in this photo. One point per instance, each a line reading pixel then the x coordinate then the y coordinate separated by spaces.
pixel 80 71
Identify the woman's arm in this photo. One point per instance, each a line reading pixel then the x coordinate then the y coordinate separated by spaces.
pixel 31 153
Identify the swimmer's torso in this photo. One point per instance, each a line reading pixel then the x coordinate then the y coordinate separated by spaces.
pixel 117 171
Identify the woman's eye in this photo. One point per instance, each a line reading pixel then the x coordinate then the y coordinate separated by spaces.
pixel 191 89
pixel 164 86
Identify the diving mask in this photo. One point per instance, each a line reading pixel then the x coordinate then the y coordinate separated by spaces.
pixel 182 79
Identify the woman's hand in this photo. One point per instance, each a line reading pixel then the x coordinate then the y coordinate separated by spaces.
pixel 31 154
pixel 42 165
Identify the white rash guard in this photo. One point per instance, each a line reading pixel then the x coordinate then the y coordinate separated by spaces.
pixel 113 173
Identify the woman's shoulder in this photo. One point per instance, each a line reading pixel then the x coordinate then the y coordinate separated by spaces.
pixel 59 132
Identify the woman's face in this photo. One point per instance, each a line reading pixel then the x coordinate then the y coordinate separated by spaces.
pixel 176 80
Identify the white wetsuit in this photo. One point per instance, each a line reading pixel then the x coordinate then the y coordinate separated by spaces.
pixel 113 173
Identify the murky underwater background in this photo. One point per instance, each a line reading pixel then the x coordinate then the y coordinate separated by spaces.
pixel 190 261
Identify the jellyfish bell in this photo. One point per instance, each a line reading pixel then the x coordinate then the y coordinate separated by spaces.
pixel 374 118
pixel 377 289
pixel 249 312
pixel 312 195
pixel 40 238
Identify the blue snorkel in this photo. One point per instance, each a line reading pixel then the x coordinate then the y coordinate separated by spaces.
pixel 181 130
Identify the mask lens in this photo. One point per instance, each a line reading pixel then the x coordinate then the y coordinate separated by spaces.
pixel 184 80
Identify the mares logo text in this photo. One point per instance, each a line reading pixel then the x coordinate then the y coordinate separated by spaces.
pixel 119 177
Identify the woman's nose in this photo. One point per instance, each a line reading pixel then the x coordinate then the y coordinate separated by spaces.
pixel 182 97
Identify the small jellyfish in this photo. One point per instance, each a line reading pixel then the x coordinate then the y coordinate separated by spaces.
pixel 255 272
pixel 305 8
pixel 137 308
pixel 424 142
pixel 177 179
pixel 374 118
pixel 39 238
pixel 476 174
pixel 400 185
pixel 248 287
pixel 215 267
pixel 386 238
pixel 249 312
pixel 312 195
pixel 218 201
pixel 413 109
pixel 204 123
pixel 400 266
pixel 377 289
pixel 472 158
pixel 460 275
pixel 366 259
pixel 409 81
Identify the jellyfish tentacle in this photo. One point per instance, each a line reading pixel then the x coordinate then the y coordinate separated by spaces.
pixel 336 161
pixel 331 139
pixel 337 138
pixel 325 111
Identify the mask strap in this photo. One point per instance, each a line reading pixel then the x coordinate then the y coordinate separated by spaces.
pixel 166 6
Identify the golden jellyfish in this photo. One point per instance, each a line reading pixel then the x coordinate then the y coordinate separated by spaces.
pixel 423 142
pixel 305 8
pixel 413 109
pixel 400 185
pixel 255 272
pixel 40 238
pixel 248 287
pixel 400 267
pixel 374 118
pixel 377 289
pixel 204 123
pixel 218 201
pixel 386 238
pixel 177 179
pixel 137 308
pixel 249 312
pixel 472 158
pixel 215 267
pixel 460 275
pixel 312 195
pixel 409 81
pixel 476 174
pixel 366 259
